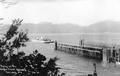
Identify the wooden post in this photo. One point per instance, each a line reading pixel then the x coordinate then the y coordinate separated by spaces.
pixel 119 55
pixel 108 54
pixel 104 57
pixel 56 45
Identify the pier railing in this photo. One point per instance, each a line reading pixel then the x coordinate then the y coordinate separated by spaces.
pixel 87 51
pixel 109 54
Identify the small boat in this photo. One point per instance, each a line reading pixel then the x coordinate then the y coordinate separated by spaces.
pixel 45 40
pixel 42 39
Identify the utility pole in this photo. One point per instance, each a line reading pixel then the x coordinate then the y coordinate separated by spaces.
pixel 81 42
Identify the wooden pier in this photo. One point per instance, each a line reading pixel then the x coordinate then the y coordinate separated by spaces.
pixel 99 53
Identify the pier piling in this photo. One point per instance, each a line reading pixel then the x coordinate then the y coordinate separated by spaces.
pixel 91 52
pixel 99 53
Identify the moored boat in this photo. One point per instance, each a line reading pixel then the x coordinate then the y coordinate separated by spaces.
pixel 45 40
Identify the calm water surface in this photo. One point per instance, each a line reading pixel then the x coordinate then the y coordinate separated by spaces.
pixel 73 64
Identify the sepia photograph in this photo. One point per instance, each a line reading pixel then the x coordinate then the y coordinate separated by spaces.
pixel 59 37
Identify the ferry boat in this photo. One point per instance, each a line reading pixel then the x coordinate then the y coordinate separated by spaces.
pixel 45 40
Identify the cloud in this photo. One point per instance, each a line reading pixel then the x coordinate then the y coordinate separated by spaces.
pixel 8 3
pixel 82 12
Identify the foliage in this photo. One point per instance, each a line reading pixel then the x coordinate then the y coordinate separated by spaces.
pixel 13 29
pixel 34 64
pixel 14 39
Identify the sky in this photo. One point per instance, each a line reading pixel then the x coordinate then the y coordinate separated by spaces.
pixel 81 12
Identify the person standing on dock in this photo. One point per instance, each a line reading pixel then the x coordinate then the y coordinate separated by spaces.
pixel 95 72
pixel 114 56
pixel 114 52
pixel 55 45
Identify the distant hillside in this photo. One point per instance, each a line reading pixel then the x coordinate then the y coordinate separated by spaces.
pixel 104 27
pixel 52 28
pixel 100 27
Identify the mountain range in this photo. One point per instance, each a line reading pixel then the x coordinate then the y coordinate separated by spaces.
pixel 46 27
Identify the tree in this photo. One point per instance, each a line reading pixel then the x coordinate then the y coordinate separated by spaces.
pixel 14 39
pixel 20 40
pixel 51 66
pixel 34 64
pixel 13 29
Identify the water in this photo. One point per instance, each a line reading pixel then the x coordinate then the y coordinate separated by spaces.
pixel 73 64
